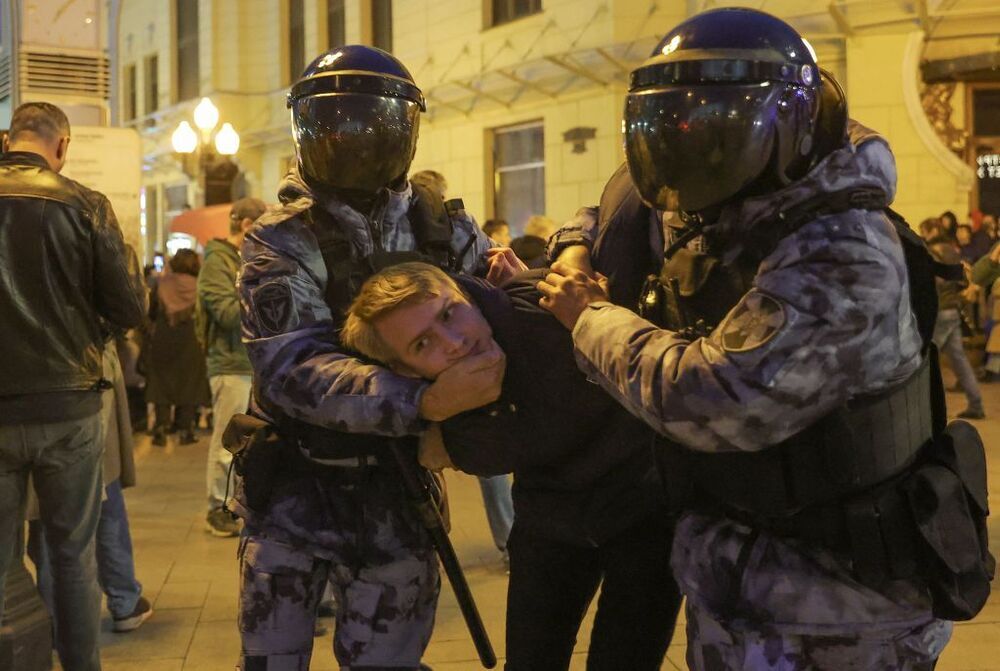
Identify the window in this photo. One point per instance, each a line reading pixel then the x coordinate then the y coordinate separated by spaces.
pixel 151 81
pixel 519 174
pixel 382 24
pixel 508 10
pixel 188 85
pixel 128 93
pixel 986 112
pixel 296 39
pixel 336 33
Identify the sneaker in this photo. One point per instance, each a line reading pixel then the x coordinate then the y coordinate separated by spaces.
pixel 188 438
pixel 972 413
pixel 221 524
pixel 159 437
pixel 142 612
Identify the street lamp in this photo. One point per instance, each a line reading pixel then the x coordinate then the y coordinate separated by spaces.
pixel 200 159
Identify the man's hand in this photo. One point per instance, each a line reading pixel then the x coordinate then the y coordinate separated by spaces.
pixel 471 383
pixel 504 264
pixel 578 257
pixel 566 293
pixel 995 254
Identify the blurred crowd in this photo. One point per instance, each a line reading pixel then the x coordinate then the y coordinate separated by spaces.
pixel 968 310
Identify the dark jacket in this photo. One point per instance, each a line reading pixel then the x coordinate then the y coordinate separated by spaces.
pixel 217 315
pixel 64 269
pixel 944 250
pixel 986 271
pixel 175 363
pixel 583 467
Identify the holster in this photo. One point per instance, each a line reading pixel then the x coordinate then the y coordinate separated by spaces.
pixel 257 451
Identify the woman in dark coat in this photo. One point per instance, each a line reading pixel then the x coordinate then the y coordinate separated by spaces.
pixel 176 365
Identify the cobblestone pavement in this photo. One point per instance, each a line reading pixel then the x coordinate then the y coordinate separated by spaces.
pixel 190 576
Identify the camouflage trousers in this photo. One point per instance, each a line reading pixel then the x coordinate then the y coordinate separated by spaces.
pixel 714 646
pixel 355 530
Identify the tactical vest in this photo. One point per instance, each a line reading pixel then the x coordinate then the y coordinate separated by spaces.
pixel 431 220
pixel 822 484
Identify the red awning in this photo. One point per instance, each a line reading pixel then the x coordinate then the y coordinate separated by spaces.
pixel 204 223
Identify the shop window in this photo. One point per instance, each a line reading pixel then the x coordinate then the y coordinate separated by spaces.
pixel 519 174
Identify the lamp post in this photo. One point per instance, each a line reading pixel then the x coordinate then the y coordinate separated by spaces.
pixel 205 158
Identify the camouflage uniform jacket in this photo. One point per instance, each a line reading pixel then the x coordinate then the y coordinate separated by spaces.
pixel 828 317
pixel 298 363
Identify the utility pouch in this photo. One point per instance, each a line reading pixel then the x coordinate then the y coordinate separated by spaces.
pixel 256 448
pixel 947 496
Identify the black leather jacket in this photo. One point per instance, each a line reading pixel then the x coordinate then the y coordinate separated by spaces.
pixel 63 268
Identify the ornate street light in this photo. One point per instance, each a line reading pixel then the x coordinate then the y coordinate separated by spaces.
pixel 205 159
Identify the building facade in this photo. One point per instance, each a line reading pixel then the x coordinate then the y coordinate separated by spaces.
pixel 524 96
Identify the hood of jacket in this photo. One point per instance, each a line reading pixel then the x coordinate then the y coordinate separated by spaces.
pixel 223 247
pixel 865 161
pixel 295 193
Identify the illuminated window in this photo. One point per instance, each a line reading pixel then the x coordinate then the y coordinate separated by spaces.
pixel 509 10
pixel 518 174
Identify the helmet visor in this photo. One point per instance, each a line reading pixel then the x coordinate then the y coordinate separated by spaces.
pixel 706 143
pixel 355 141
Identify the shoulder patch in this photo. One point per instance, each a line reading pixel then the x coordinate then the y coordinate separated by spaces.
pixel 755 321
pixel 275 307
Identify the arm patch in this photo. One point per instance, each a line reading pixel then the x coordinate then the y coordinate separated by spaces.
pixel 754 322
pixel 274 307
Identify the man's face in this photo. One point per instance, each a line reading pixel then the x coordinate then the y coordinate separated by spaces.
pixel 428 337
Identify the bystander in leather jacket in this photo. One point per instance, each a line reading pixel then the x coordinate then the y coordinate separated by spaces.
pixel 65 270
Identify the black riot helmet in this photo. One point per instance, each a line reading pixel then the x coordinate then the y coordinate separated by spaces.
pixel 728 101
pixel 355 117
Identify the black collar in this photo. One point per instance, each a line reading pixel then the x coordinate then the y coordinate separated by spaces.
pixel 24 158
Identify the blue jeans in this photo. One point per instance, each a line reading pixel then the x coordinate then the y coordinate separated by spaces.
pixel 499 507
pixel 64 460
pixel 948 339
pixel 115 565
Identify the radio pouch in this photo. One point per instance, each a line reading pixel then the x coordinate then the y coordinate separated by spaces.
pixel 948 499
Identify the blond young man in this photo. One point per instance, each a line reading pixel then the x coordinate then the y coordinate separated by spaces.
pixel 588 505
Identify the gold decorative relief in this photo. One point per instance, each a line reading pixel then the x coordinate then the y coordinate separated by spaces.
pixel 936 101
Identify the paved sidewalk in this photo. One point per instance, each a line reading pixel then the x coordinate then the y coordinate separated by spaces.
pixel 191 577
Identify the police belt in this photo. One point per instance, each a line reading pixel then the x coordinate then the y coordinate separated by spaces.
pixel 358 461
pixel 328 447
pixel 864 443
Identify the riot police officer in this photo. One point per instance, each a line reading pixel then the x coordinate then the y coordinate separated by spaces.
pixel 793 379
pixel 327 507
